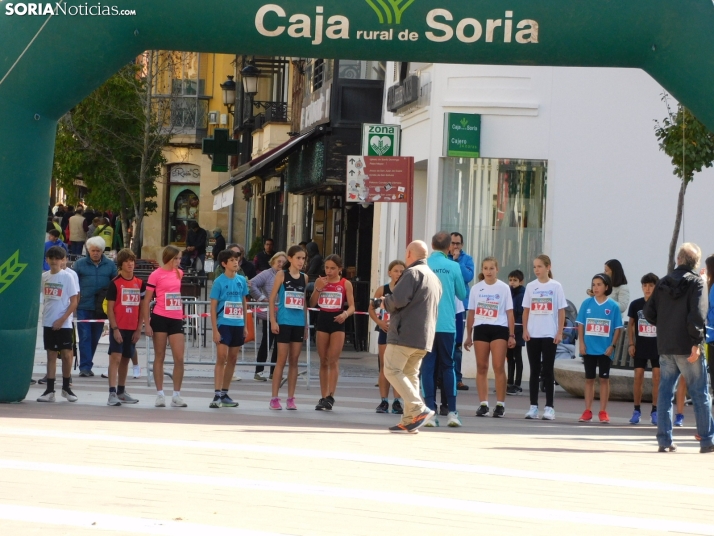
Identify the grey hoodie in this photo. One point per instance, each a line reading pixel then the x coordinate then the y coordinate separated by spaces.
pixel 414 305
pixel 678 307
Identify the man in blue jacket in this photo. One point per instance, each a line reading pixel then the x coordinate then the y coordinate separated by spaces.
pixel 466 264
pixel 95 272
pixel 453 287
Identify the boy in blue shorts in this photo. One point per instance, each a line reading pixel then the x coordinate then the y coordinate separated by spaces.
pixel 599 323
pixel 228 307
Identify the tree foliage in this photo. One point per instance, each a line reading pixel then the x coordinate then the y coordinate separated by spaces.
pixel 690 146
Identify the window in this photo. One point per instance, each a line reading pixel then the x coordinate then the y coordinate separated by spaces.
pixel 499 208
pixel 362 70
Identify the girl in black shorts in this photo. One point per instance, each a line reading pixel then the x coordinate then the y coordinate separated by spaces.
pixel 491 318
pixel 331 294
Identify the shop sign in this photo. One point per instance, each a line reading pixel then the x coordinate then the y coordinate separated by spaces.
pixel 380 140
pixel 462 135
pixel 379 179
pixel 186 173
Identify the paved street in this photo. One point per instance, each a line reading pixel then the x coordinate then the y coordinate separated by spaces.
pixel 85 467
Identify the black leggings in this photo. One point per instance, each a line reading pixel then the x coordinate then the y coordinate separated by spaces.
pixel 541 348
pixel 263 350
pixel 515 364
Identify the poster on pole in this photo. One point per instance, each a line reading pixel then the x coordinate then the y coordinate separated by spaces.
pixel 379 179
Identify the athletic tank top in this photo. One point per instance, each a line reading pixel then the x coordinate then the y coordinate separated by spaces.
pixel 291 300
pixel 333 297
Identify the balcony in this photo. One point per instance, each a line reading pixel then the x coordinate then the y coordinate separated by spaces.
pixel 185 119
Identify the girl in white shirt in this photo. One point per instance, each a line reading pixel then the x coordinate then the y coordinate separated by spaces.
pixel 543 320
pixel 490 323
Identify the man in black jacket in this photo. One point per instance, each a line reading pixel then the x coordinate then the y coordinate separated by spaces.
pixel 678 307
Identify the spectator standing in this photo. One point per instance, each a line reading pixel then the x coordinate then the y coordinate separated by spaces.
pixel 314 260
pixel 466 264
pixel 678 307
pixel 54 240
pixel 413 306
pixel 220 244
pixel 95 272
pixel 710 318
pixel 64 222
pixel 195 245
pixel 77 234
pixel 262 259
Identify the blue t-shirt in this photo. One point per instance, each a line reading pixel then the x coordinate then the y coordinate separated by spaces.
pixel 599 323
pixel 230 293
pixel 291 300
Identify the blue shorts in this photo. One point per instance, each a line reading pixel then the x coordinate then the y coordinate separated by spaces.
pixel 126 347
pixel 231 336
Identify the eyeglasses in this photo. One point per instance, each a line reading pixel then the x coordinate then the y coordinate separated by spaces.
pixel 238 255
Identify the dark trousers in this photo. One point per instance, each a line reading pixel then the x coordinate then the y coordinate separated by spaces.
pixel 442 352
pixel 263 349
pixel 710 362
pixel 515 365
pixel 541 357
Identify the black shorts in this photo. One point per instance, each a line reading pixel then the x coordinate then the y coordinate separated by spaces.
pixel 326 322
pixel 382 337
pixel 56 340
pixel 641 362
pixel 490 333
pixel 593 362
pixel 126 347
pixel 231 336
pixel 290 334
pixel 161 324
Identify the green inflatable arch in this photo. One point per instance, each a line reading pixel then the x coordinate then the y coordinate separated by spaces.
pixel 53 55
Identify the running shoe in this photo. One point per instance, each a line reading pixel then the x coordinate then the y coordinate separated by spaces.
pixel 126 398
pixel 275 403
pixel 420 420
pixel 635 417
pixel 432 422
pixel 259 377
pixel 47 397
pixel 137 371
pixel 69 395
pixel 461 386
pixel 177 402
pixel 519 389
pixel 86 373
pixel 453 420
pixel 43 380
pixel 548 414
pixel 235 378
pixel 707 449
pixel 330 402
pixel 401 429
pixel 512 390
pixel 443 410
pixel 113 400
pixel 499 410
pixel 679 419
pixel 587 416
pixel 653 418
pixel 482 410
pixel 33 381
pixel 228 402
pixel 604 417
pixel 215 403
pixel 321 405
pixel 291 404
pixel 383 407
pixel 397 408
pixel 671 448
pixel 532 413
pixel 160 401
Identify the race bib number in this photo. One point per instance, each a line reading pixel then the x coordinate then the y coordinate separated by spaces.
pixel 330 300
pixel 172 301
pixel 53 291
pixel 130 297
pixel 294 300
pixel 233 311
pixel 487 310
pixel 645 329
pixel 386 316
pixel 597 327
pixel 541 306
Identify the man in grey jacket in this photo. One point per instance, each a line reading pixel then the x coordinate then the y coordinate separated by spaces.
pixel 678 307
pixel 414 305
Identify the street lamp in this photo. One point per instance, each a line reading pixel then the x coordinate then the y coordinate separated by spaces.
pixel 229 93
pixel 249 74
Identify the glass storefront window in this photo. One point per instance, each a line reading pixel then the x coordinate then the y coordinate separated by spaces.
pixel 499 208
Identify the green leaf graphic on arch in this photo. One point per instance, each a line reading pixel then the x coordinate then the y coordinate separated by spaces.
pixel 10 270
pixel 391 10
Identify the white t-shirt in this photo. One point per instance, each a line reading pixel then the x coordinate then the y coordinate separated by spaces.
pixel 459 305
pixel 490 303
pixel 543 301
pixel 76 282
pixel 57 289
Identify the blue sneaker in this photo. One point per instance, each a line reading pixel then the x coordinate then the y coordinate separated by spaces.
pixel 635 417
pixel 653 417
pixel 679 420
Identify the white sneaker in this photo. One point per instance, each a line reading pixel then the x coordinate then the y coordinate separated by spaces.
pixel 532 413
pixel 432 422
pixel 69 395
pixel 235 378
pixel 137 371
pixel 177 402
pixel 160 401
pixel 453 419
pixel 48 397
pixel 548 414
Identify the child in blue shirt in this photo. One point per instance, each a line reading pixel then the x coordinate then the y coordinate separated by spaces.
pixel 228 308
pixel 599 323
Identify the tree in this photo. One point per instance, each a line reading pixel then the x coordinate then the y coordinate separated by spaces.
pixel 690 145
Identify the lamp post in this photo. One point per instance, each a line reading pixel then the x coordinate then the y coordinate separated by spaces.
pixel 229 94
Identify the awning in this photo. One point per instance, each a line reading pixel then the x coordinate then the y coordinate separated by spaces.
pixel 268 159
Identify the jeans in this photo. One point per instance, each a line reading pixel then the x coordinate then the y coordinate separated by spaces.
pixel 458 341
pixel 263 350
pixel 75 248
pixel 443 350
pixel 695 374
pixel 541 358
pixel 89 334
